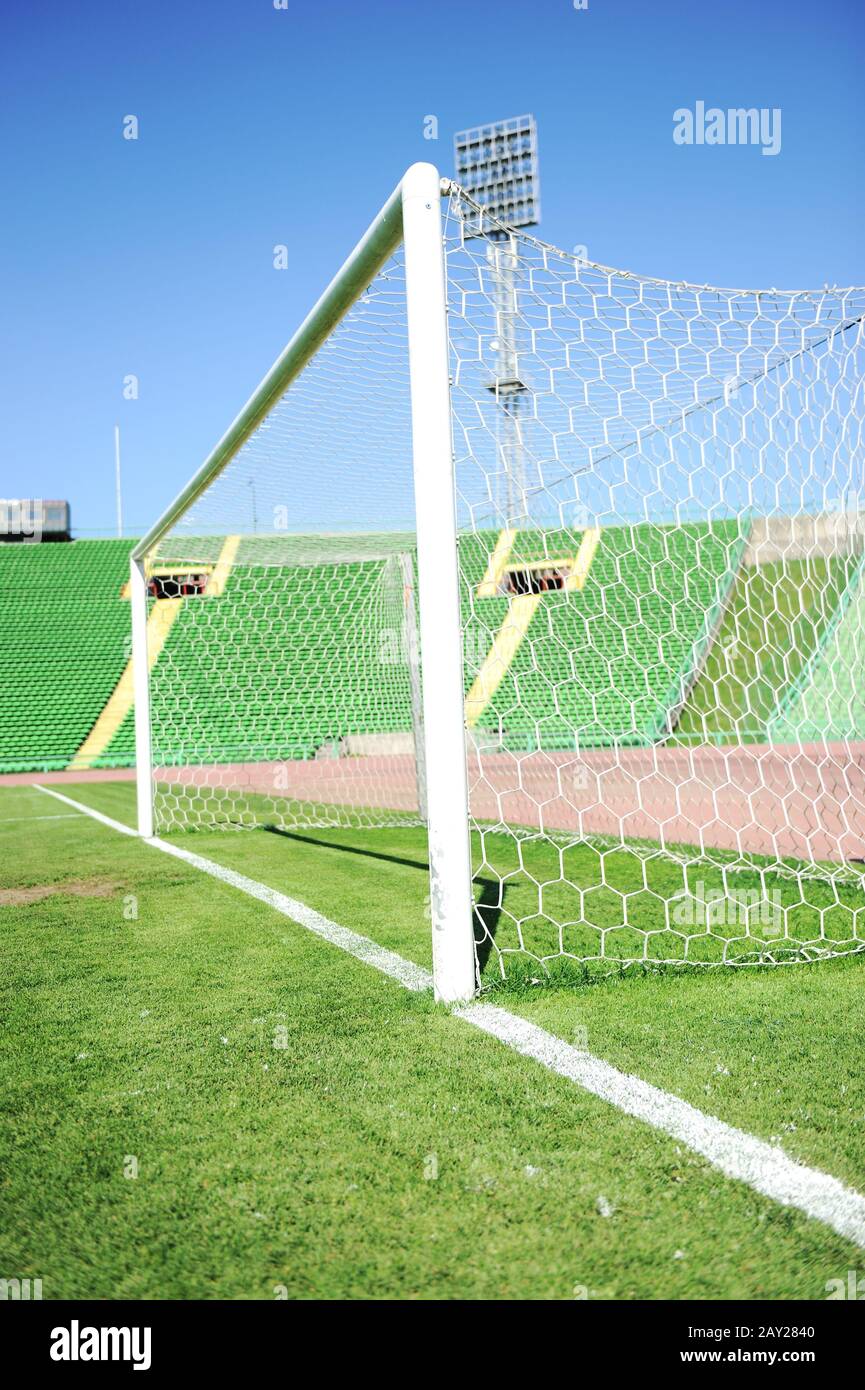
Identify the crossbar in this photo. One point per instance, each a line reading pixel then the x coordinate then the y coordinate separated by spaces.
pixel 374 248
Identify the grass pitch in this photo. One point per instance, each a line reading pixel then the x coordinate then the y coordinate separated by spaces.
pixel 299 1124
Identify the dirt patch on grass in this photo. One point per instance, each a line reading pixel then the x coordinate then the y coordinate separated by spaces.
pixel 74 887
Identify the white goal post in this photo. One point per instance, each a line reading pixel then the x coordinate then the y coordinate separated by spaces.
pixel 411 216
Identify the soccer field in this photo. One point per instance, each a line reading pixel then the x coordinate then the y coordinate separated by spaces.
pixel 432 640
pixel 204 1099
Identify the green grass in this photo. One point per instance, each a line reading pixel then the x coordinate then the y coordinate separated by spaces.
pixel 260 1165
pixel 774 620
pixel 553 903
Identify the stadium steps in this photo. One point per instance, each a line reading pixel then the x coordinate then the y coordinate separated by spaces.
pixel 521 610
pixel 678 698
pixel 223 567
pixel 160 620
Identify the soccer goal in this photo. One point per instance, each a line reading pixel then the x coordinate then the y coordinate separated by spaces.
pixel 558 566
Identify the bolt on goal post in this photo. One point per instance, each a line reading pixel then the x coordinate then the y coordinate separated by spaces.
pixel 411 216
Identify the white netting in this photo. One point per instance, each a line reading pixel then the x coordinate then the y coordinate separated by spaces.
pixel 661 493
pixel 282 695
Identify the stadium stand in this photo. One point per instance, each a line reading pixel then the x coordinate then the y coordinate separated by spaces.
pixel 610 663
pixel 226 706
pixel 637 637
pixel 64 642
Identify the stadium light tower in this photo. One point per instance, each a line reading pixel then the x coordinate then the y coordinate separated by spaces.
pixel 497 165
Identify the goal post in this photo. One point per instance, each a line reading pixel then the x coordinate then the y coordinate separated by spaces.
pixel 411 216
pixel 440 616
pixel 553 569
pixel 141 695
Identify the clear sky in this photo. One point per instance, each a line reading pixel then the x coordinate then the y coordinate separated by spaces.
pixel 261 126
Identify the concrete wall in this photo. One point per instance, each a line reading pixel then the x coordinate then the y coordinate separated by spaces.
pixel 797 537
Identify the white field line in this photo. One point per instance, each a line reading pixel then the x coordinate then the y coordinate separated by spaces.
pixel 739 1155
pixel 388 962
pixel 762 1166
pixel 88 810
pixel 19 820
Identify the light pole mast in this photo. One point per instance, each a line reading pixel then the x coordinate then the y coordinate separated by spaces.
pixel 504 258
pixel 497 165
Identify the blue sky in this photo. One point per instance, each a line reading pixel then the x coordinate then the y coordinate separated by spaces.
pixel 261 126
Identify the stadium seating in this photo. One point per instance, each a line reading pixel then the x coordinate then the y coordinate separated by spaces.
pixel 287 660
pixel 607 664
pixel 776 618
pixel 64 638
pixel 282 664
pixel 604 664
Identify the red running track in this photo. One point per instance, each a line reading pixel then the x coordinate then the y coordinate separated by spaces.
pixel 806 802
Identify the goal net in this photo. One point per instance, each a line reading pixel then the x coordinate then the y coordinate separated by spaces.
pixel 660 551
pixel 282 694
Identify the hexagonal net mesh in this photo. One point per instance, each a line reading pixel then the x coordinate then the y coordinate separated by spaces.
pixel 661 507
pixel 662 489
